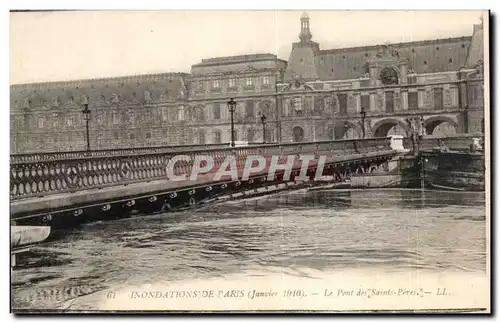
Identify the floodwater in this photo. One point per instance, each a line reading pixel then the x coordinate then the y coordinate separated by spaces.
pixel 385 230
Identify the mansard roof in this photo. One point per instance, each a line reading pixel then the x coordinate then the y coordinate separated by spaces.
pixel 429 56
pixel 102 91
pixel 237 65
pixel 236 59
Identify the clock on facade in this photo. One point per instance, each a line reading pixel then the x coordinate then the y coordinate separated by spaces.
pixel 389 76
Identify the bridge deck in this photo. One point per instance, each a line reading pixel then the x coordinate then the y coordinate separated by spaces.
pixel 96 195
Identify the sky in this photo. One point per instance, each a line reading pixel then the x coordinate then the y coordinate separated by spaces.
pixel 58 46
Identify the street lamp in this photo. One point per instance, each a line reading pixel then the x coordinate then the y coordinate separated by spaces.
pixel 363 116
pixel 263 119
pixel 232 107
pixel 86 116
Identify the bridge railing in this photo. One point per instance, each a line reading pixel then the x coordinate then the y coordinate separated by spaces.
pixel 38 157
pixel 82 172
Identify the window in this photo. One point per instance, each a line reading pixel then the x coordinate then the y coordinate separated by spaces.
pixel 265 80
pixel 116 117
pixel 438 99
pixel 200 114
pixel 365 102
pixel 201 138
pixel 250 134
pixel 216 111
pixel 389 101
pixel 413 100
pixel 249 81
pixel 343 104
pixel 297 104
pixel 132 136
pixel 115 135
pixel 217 137
pixel 232 83
pixel 69 121
pixel 319 104
pixel 148 135
pixel 181 113
pixel 164 113
pixel 216 84
pixel 131 116
pixel 40 122
pixel 249 109
pixel 269 136
pixel 55 120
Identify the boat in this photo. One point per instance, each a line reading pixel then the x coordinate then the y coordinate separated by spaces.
pixel 21 236
pixel 448 188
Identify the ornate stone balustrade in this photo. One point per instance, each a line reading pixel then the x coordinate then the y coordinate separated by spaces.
pixel 48 174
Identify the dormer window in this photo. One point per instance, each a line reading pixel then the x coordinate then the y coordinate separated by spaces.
pixel 389 76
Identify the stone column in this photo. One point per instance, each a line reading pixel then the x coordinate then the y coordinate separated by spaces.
pixel 357 97
pixel 372 101
pixel 403 70
pixel 404 99
pixel 373 74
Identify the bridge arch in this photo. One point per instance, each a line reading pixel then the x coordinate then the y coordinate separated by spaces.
pixel 443 124
pixel 384 127
pixel 298 134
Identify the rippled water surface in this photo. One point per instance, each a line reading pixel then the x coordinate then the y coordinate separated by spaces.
pixel 391 230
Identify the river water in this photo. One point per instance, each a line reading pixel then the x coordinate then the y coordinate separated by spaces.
pixel 385 230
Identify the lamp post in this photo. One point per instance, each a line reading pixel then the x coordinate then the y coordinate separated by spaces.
pixel 232 107
pixel 263 119
pixel 363 116
pixel 86 116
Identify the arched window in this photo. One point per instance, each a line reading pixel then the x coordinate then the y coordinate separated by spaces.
pixel 217 137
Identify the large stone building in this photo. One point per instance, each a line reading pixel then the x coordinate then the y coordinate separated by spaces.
pixel 433 86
